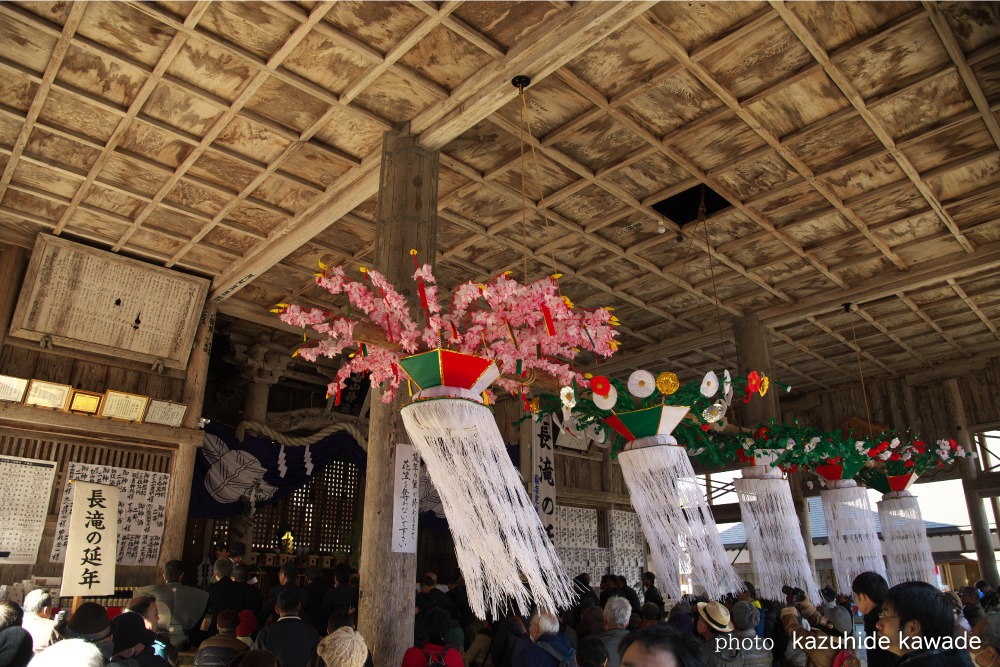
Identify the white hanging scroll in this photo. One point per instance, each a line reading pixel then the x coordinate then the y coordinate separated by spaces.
pixel 907 549
pixel 406 500
pixel 93 534
pixel 140 515
pixel 850 526
pixel 24 497
pixel 543 488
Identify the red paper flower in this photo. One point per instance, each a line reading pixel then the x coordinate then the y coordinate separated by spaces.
pixel 883 446
pixel 920 445
pixel 895 456
pixel 705 427
pixel 954 445
pixel 909 463
pixel 762 433
pixel 835 461
pixel 753 382
pixel 600 385
pixel 742 456
pixel 873 452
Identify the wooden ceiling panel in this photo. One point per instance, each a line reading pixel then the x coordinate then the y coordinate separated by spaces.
pixel 253 139
pixel 230 174
pixel 974 24
pixel 487 208
pixel 722 139
pixel 207 260
pixel 59 150
pixel 697 23
pixel 445 58
pixel 878 66
pixel 553 177
pixel 648 176
pixel 182 109
pixel 589 204
pixel 256 217
pixel 513 235
pixel 949 145
pixel 931 102
pixel 752 300
pixel 91 226
pixel 206 65
pixel 953 183
pixel 757 253
pixel 865 176
pixel 110 79
pixel 600 143
pixel 120 27
pixel 671 104
pixel 395 98
pixel 174 223
pixel 507 22
pixel 899 200
pixel 326 62
pixel 150 243
pixel 818 229
pixel 824 147
pixel 911 228
pixel 56 12
pixel 314 165
pixel 789 271
pixel 927 249
pixel 985 233
pixel 154 143
pixel 286 104
pixel 47 207
pixel 190 195
pixel 726 227
pixel 65 110
pixel 764 56
pixel 353 133
pixel 24 40
pixel 347 238
pixel 284 193
pixel 986 70
pixel 752 178
pixel 115 201
pixel 261 295
pixel 836 24
pixel 44 178
pixel 619 60
pixel 230 240
pixel 257 27
pixel 380 25
pixel 484 147
pixel 549 104
pixel 788 204
pixel 801 101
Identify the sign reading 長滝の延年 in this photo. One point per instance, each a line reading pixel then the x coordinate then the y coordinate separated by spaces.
pixel 89 568
pixel 543 458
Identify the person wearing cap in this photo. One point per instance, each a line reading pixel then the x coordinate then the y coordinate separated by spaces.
pixel 132 639
pixel 749 593
pixel 220 649
pixel 745 618
pixel 344 647
pixel 180 607
pixel 972 608
pixel 828 633
pixel 37 621
pixel 16 646
pixel 247 626
pixel 680 617
pixel 291 639
pixel 714 626
pixel 988 597
pixel 89 623
pixel 75 652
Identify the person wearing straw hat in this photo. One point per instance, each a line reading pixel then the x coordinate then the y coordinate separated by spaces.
pixel 715 627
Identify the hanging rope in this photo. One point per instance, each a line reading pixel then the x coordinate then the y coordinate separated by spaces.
pixel 266 431
pixel 521 82
pixel 861 372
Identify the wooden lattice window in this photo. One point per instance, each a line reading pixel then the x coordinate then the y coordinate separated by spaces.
pixel 319 514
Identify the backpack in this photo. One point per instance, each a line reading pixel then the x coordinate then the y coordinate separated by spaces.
pixel 845 658
pixel 568 660
pixel 438 659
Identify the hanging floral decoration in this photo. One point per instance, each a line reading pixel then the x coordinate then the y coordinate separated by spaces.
pixel 524 328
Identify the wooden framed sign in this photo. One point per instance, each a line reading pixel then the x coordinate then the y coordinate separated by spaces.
pixel 12 389
pixel 82 298
pixel 164 412
pixel 86 402
pixel 48 394
pixel 126 407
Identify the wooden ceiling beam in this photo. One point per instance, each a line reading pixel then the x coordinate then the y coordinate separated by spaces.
pixel 804 35
pixel 973 307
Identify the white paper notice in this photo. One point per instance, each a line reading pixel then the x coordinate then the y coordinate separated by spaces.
pixel 24 502
pixel 93 537
pixel 406 500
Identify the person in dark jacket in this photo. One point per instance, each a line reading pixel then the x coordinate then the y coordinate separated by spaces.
pixel 661 645
pixel 340 597
pixel 650 593
pixel 506 635
pixel 583 591
pixel 286 581
pixel 543 646
pixel 972 608
pixel 291 639
pixel 224 593
pixel 219 651
pixel 916 618
pixel 989 598
pixel 132 639
pixel 869 590
pixel 314 592
pixel 629 594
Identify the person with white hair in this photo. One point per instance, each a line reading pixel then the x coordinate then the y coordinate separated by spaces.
pixel 344 647
pixel 617 613
pixel 37 618
pixel 76 652
pixel 988 632
pixel 544 645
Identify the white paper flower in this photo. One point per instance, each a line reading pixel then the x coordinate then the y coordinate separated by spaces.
pixel 597 434
pixel 607 402
pixel 789 443
pixel 727 386
pixel 709 384
pixel 714 412
pixel 860 445
pixel 885 455
pixel 568 397
pixel 641 384
pixel 809 485
pixel 812 444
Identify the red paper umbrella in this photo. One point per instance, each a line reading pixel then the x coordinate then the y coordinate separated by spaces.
pixel 600 385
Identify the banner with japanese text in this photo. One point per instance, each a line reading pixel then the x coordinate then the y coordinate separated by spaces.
pixel 406 500
pixel 543 459
pixel 89 568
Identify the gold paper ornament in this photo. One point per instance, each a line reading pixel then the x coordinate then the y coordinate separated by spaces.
pixel 765 384
pixel 535 407
pixel 667 383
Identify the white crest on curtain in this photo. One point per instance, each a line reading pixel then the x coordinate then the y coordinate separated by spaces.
pixel 676 519
pixel 907 549
pixel 850 526
pixel 498 536
pixel 777 552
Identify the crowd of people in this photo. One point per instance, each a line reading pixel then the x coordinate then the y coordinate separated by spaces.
pixel 231 623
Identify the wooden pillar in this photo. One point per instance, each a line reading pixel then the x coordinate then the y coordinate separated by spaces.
pixel 970 470
pixel 406 219
pixel 753 353
pixel 13 262
pixel 182 462
pixel 987 459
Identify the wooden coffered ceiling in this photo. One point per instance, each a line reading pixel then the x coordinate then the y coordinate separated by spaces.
pixel 857 144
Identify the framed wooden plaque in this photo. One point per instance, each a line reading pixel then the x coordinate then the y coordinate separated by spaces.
pixel 86 402
pixel 165 412
pixel 123 406
pixel 12 388
pixel 87 299
pixel 48 394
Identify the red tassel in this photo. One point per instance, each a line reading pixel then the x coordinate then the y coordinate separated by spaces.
pixel 550 326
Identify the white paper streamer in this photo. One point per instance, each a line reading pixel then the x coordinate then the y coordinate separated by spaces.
pixel 676 519
pixel 850 526
pixel 498 536
pixel 907 549
pixel 282 466
pixel 307 460
pixel 777 552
